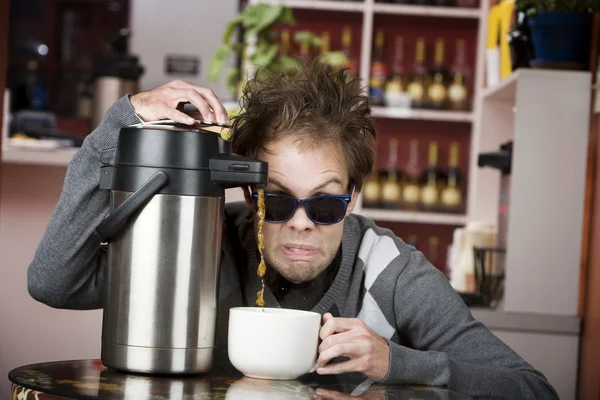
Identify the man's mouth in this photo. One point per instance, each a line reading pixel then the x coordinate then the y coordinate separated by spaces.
pixel 299 250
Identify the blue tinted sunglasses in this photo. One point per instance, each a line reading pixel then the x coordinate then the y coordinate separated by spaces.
pixel 322 210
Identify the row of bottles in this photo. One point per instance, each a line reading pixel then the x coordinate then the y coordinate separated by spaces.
pixel 306 49
pixel 412 188
pixel 437 87
pixel 444 3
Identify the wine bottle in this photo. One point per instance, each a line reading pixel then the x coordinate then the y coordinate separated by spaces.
pixel 285 43
pixel 458 93
pixel 347 49
pixel 411 189
pixel 451 198
pixel 437 93
pixel 390 180
pixel 418 84
pixel 395 87
pixel 378 71
pixel 325 43
pixel 430 191
pixel 371 191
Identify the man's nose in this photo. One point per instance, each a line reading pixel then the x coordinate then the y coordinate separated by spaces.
pixel 300 220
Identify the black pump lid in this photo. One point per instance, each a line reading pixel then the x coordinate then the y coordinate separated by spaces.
pixel 167 146
pixel 197 162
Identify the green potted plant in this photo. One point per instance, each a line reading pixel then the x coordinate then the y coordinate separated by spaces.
pixel 560 30
pixel 259 46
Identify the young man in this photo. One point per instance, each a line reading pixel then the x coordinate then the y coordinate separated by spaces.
pixel 387 312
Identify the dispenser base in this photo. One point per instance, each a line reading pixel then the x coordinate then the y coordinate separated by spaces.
pixel 156 360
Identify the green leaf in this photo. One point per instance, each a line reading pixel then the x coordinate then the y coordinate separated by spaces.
pixel 265 56
pixel 313 40
pixel 287 16
pixel 237 47
pixel 269 17
pixel 263 21
pixel 336 58
pixel 303 36
pixel 218 61
pixel 287 63
pixel 233 79
pixel 231 27
pixel 253 14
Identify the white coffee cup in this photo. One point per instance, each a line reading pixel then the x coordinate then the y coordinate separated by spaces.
pixel 273 343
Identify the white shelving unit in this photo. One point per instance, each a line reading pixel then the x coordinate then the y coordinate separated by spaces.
pixel 547 187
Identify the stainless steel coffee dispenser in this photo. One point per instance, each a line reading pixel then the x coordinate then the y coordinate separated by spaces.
pixel 164 230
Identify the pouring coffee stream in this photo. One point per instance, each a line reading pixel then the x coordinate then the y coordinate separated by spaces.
pixel 164 232
pixel 262 267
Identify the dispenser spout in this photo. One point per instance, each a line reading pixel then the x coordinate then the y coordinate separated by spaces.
pixel 231 170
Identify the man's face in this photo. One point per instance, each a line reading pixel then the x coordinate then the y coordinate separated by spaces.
pixel 299 249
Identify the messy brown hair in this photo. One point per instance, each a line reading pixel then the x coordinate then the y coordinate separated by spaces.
pixel 318 104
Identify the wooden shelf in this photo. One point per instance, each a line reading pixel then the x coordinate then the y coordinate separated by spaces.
pixel 428 11
pixel 428 115
pixel 330 5
pixel 412 216
pixel 57 157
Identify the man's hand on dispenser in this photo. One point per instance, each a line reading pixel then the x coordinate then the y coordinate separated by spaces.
pixel 162 102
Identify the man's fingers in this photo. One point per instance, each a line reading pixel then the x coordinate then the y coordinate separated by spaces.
pixel 178 116
pixel 337 325
pixel 209 96
pixel 332 340
pixel 343 349
pixel 214 103
pixel 193 97
pixel 353 365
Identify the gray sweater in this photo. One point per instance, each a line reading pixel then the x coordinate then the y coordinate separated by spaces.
pixel 434 340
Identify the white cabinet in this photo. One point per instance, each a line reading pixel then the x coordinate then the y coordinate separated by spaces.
pixel 546 114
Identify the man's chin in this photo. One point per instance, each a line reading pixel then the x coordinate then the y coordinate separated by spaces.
pixel 297 278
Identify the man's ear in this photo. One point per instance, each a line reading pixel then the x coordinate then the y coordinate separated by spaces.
pixel 352 203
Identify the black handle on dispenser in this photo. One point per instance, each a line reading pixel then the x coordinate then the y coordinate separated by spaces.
pixel 232 170
pixel 113 222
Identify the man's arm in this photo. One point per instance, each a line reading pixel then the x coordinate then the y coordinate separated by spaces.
pixel 448 346
pixel 67 270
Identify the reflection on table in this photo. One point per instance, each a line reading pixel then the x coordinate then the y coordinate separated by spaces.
pixel 89 379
